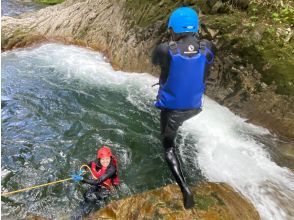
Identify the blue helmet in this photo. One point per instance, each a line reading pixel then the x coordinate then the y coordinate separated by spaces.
pixel 183 19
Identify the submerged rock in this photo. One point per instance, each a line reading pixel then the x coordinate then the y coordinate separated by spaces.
pixel 213 201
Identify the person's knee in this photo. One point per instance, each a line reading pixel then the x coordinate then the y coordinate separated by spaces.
pixel 169 154
pixel 167 142
pixel 168 138
pixel 90 197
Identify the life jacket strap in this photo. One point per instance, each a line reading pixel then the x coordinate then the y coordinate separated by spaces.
pixel 173 47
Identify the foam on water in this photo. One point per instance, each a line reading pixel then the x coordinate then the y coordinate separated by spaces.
pixel 224 146
pixel 228 152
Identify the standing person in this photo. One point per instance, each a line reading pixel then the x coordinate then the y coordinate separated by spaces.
pixel 104 176
pixel 184 62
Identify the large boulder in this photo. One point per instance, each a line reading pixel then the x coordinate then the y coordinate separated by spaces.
pixel 212 201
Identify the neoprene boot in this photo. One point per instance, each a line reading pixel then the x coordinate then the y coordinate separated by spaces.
pixel 174 166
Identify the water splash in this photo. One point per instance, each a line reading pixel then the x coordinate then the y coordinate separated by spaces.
pixel 222 145
pixel 227 152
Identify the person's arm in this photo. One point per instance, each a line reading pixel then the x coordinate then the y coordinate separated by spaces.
pixel 155 57
pixel 108 174
pixel 208 45
pixel 160 57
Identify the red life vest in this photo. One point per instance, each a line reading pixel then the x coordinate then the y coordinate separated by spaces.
pixel 110 181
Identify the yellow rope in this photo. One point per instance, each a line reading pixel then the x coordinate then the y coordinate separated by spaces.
pixel 84 165
pixel 34 187
pixel 46 184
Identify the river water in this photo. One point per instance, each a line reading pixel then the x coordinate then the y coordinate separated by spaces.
pixel 60 102
pixel 17 7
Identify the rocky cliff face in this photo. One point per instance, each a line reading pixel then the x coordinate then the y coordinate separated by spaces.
pixel 253 70
pixel 213 201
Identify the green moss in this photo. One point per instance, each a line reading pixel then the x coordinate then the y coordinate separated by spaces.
pixel 251 34
pixel 146 13
pixel 259 44
pixel 225 23
pixel 219 200
pixel 173 205
pixel 82 33
pixel 19 32
pixel 273 58
pixel 273 11
pixel 50 2
pixel 204 202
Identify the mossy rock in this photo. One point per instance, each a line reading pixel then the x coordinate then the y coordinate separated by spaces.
pixel 50 2
pixel 212 201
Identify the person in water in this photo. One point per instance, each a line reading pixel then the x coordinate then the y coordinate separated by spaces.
pixel 184 62
pixel 104 177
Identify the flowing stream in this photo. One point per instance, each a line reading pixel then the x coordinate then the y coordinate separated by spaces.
pixel 60 102
pixel 17 7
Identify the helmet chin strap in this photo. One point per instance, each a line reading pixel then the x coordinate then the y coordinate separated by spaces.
pixel 172 34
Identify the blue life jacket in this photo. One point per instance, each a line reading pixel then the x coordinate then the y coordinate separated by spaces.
pixel 184 88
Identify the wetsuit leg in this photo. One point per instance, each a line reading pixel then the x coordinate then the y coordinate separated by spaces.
pixel 90 199
pixel 170 123
pixel 102 194
pixel 86 206
pixel 94 198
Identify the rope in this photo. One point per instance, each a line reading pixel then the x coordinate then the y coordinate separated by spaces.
pixel 34 187
pixel 94 177
pixel 84 165
pixel 47 184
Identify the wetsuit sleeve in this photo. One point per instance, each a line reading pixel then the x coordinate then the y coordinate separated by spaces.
pixel 108 174
pixel 156 55
pixel 161 57
pixel 209 46
pixel 90 163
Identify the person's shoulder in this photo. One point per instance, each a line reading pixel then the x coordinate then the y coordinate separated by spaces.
pixel 207 43
pixel 162 47
pixel 111 167
pixel 160 53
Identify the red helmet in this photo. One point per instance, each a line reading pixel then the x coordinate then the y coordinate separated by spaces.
pixel 104 152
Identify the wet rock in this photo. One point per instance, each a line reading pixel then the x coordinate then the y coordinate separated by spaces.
pixel 216 7
pixel 212 201
pixel 243 4
pixel 263 85
pixel 127 31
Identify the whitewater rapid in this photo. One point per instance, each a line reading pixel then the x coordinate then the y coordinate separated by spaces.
pixel 224 146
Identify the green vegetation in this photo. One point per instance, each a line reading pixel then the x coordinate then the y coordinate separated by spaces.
pixel 204 202
pixel 261 34
pixel 50 2
pixel 215 195
pixel 147 13
pixel 273 54
pixel 285 15
pixel 83 32
pixel 281 12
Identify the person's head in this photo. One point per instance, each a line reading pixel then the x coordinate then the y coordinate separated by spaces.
pixel 183 21
pixel 104 156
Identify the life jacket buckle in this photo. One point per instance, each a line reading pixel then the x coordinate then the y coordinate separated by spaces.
pixel 172 45
pixel 202 46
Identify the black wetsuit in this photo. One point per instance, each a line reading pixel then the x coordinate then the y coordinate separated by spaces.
pixel 171 120
pixel 99 192
pixel 96 194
